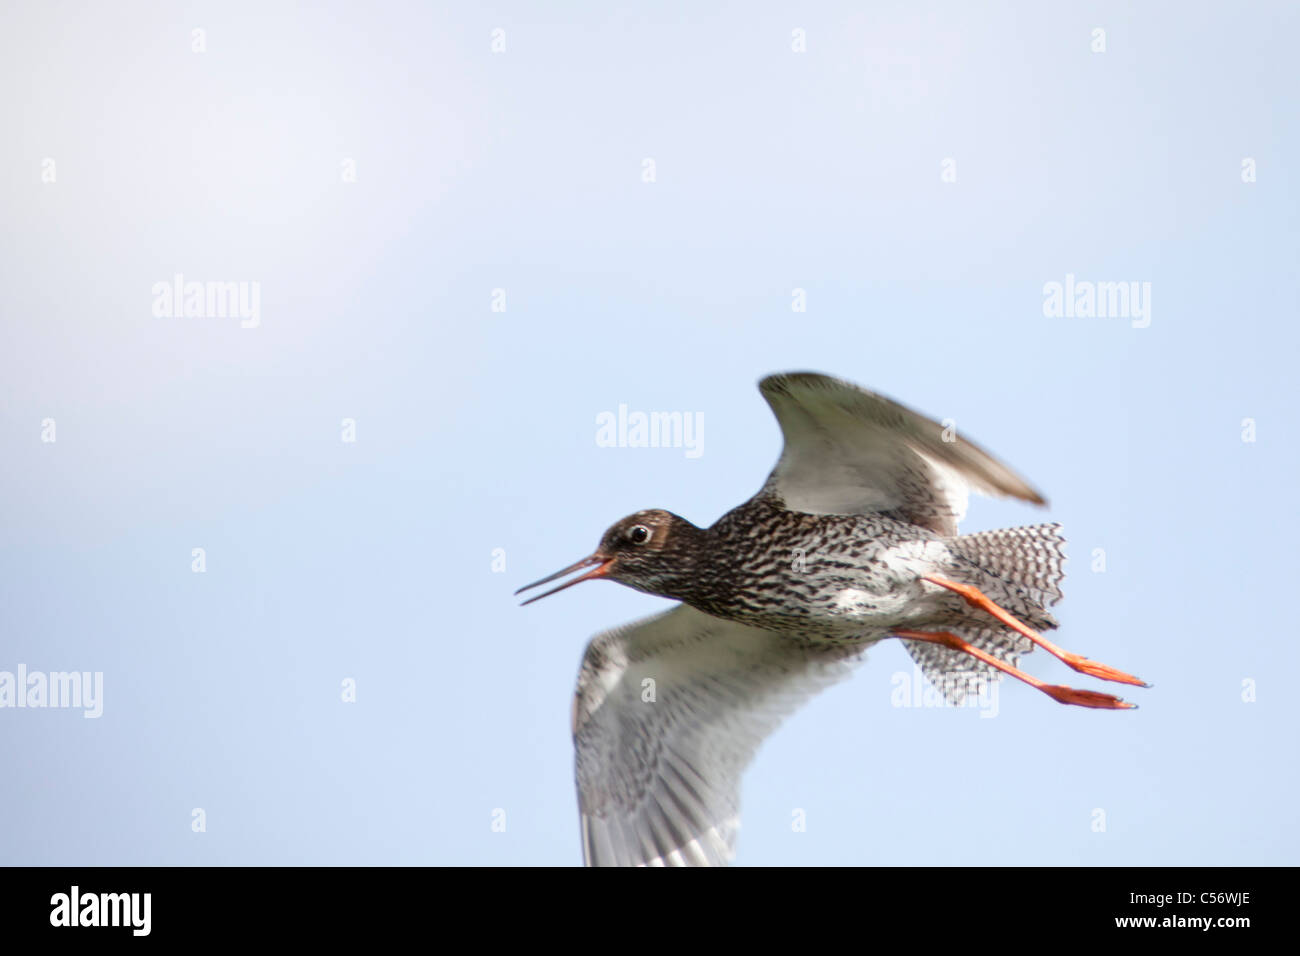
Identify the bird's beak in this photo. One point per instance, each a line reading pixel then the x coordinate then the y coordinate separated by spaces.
pixel 598 563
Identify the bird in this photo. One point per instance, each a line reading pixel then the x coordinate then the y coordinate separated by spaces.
pixel 852 539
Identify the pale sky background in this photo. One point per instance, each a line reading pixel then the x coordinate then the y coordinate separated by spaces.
pixel 522 171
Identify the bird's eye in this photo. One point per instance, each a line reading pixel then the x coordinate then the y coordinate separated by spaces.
pixel 638 534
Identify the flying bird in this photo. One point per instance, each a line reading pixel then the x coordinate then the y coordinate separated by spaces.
pixel 852 539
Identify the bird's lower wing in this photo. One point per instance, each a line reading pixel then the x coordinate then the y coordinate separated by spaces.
pixel 668 713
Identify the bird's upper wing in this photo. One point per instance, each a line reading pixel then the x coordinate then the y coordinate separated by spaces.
pixel 851 451
pixel 669 711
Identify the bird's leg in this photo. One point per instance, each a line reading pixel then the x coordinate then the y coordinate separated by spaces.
pixel 977 598
pixel 1058 692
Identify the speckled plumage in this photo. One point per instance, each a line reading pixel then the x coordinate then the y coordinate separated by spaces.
pixel 833 578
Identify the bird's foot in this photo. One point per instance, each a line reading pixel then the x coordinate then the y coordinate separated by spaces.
pixel 1093 668
pixel 1085 698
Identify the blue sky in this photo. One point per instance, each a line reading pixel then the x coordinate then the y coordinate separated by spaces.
pixel 380 173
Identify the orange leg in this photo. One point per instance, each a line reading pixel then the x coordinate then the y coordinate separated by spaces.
pixel 976 598
pixel 1058 692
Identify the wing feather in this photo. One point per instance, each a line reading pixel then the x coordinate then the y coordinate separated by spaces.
pixel 851 451
pixel 658 765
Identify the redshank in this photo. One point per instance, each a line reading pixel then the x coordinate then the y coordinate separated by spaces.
pixel 852 539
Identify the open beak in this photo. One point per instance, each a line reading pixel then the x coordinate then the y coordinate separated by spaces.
pixel 598 563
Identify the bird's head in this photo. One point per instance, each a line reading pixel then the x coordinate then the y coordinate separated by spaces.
pixel 652 551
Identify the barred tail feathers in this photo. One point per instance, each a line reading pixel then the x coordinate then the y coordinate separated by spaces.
pixel 1031 560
